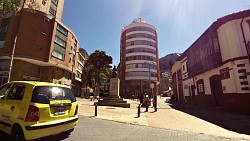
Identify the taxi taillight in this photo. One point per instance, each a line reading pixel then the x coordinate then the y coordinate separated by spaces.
pixel 33 114
pixel 76 111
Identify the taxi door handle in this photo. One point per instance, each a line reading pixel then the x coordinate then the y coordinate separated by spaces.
pixel 12 108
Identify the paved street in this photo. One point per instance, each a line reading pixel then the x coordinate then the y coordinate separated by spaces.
pixel 170 122
pixel 92 129
pixel 174 117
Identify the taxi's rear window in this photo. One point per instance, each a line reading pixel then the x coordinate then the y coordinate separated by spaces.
pixel 45 94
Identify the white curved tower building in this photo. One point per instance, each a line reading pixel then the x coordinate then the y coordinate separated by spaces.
pixel 139 65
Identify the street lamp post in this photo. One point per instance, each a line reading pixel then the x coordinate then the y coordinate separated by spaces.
pixel 11 59
pixel 149 82
pixel 14 46
pixel 72 70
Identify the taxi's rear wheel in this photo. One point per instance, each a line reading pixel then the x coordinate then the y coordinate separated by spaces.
pixel 17 133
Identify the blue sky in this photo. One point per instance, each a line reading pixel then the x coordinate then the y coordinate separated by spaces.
pixel 98 23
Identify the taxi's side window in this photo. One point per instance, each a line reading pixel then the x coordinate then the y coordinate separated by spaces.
pixel 4 90
pixel 16 92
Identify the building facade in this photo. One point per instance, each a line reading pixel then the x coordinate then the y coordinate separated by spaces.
pixel 139 62
pixel 214 71
pixel 45 49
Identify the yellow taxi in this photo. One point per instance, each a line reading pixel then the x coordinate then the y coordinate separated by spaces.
pixel 30 110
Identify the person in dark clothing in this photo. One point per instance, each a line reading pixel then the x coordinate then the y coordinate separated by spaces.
pixel 155 103
pixel 146 101
pixel 141 99
pixel 172 98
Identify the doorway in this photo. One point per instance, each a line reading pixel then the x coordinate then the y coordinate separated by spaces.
pixel 216 89
pixel 193 93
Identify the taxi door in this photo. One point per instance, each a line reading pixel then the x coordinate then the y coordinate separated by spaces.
pixel 3 118
pixel 11 106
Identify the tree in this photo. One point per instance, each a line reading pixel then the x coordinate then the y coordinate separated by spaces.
pixel 97 67
pixel 15 6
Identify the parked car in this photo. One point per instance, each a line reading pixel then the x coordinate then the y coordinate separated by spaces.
pixel 30 110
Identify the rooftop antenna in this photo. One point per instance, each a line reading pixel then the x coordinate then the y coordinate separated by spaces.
pixel 145 14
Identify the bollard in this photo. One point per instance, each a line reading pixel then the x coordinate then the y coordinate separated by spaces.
pixel 95 109
pixel 139 111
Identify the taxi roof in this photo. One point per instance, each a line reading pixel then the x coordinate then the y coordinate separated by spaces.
pixel 37 83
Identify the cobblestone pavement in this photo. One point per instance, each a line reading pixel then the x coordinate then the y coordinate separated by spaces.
pixel 166 117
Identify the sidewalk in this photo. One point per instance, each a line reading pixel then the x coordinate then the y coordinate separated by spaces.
pixel 165 117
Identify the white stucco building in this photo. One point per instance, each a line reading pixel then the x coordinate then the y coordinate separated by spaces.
pixel 214 71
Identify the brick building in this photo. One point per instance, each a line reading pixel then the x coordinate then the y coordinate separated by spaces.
pixel 45 49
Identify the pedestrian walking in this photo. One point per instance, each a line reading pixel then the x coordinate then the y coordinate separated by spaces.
pixel 172 98
pixel 141 98
pixel 155 103
pixel 146 101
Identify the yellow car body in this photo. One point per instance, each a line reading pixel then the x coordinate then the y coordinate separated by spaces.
pixel 31 110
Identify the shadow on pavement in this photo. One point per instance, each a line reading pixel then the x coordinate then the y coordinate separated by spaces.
pixel 229 121
pixel 58 137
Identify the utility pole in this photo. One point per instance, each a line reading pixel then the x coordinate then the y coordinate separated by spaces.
pixel 14 46
pixel 11 59
pixel 149 82
pixel 72 65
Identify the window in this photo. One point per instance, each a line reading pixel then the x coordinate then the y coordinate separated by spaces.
pixel 60 41
pixel 1 44
pixel 55 1
pixel 73 59
pixel 140 73
pixel 52 11
pixel 16 92
pixel 224 73
pixel 136 73
pixel 140 28
pixel 141 65
pixel 200 87
pixel 78 75
pixel 3 29
pixel 147 50
pixel 62 29
pixel 4 66
pixel 45 94
pixel 79 66
pixel 3 90
pixel 141 35
pixel 141 42
pixel 58 54
pixel 139 57
pixel 80 58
